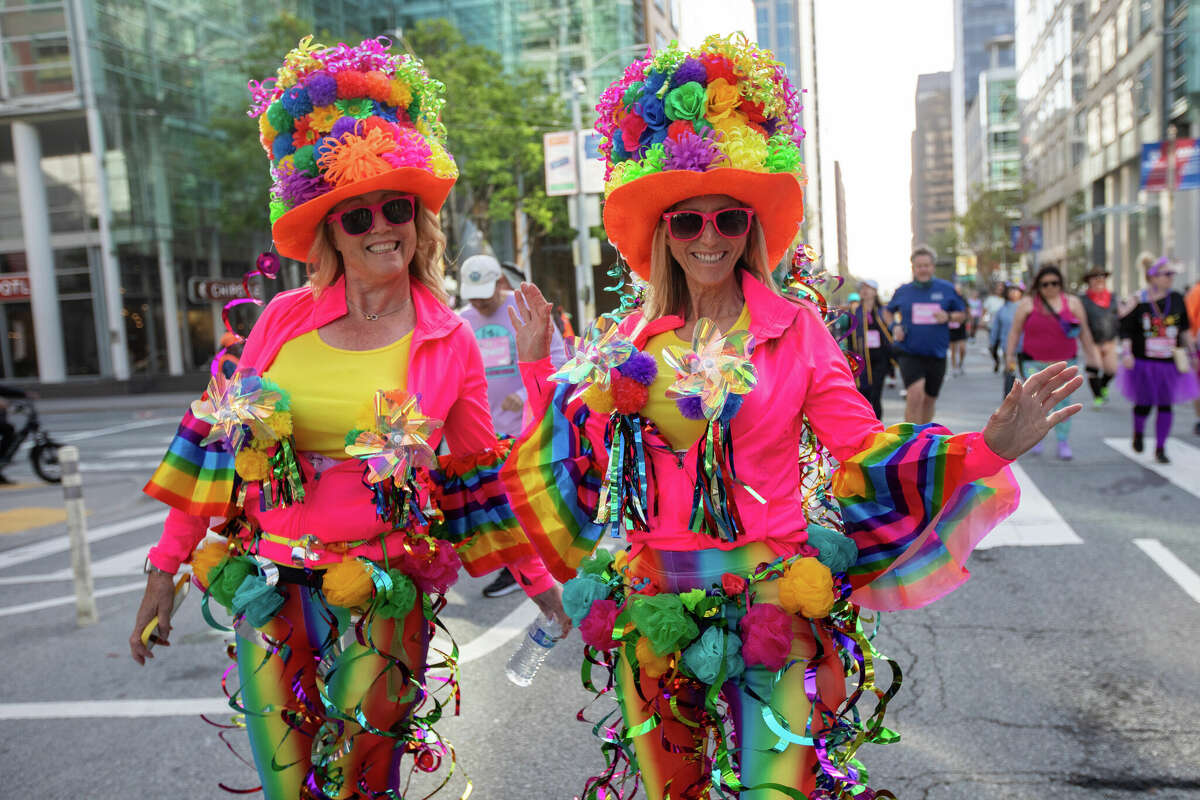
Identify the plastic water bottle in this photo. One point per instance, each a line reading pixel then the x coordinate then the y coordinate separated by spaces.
pixel 542 635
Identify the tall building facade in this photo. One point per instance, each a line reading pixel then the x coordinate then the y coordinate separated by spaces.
pixel 993 146
pixel 932 184
pixel 788 29
pixel 976 23
pixel 1098 79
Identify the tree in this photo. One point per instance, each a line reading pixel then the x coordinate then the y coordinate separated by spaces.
pixel 985 228
pixel 494 122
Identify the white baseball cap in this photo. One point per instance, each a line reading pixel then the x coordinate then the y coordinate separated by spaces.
pixel 478 277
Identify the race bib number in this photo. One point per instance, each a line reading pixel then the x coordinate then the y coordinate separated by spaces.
pixel 1159 347
pixel 495 351
pixel 873 340
pixel 925 313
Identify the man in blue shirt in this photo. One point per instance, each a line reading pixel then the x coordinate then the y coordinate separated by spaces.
pixel 921 315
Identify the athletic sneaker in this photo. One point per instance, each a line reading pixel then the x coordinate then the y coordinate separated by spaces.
pixel 504 584
pixel 1097 403
pixel 1064 450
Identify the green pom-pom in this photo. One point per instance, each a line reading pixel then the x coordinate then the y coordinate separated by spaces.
pixel 279 118
pixel 782 155
pixel 278 208
pixel 399 601
pixel 226 578
pixel 596 564
pixel 656 155
pixel 305 161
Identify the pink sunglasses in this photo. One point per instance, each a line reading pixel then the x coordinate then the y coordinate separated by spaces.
pixel 732 223
pixel 357 221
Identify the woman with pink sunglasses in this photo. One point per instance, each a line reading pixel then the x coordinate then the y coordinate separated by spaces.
pixel 340 532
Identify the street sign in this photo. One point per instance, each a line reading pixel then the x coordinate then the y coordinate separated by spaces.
pixel 14 287
pixel 1154 166
pixel 560 151
pixel 220 290
pixel 1025 238
pixel 559 155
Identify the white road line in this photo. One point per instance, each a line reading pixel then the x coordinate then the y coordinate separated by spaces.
pixel 1036 522
pixel 128 426
pixel 8 611
pixel 82 709
pixel 1179 572
pixel 123 564
pixel 1184 469
pixel 513 625
pixel 102 465
pixel 60 544
pixel 137 451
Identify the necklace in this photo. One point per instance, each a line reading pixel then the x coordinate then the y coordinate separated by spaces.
pixel 374 317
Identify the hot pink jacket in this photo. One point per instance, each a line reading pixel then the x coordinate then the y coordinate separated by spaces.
pixel 802 374
pixel 445 370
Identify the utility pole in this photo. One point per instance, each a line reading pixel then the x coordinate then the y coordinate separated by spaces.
pixel 1169 213
pixel 843 265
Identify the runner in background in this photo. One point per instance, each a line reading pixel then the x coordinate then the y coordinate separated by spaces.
pixel 871 339
pixel 1101 310
pixel 991 304
pixel 488 292
pixel 1001 324
pixel 958 337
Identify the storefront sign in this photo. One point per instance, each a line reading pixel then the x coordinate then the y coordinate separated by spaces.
pixel 14 287
pixel 559 153
pixel 219 290
pixel 1187 166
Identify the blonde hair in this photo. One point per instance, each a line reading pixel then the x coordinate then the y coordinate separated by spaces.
pixel 325 262
pixel 667 291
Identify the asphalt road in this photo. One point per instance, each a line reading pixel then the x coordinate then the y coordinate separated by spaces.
pixel 1067 667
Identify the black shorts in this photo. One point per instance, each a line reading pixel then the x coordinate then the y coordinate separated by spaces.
pixel 959 334
pixel 931 370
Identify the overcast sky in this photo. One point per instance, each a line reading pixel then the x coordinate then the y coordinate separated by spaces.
pixel 869 54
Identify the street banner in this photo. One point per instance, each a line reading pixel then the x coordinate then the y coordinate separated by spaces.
pixel 559 155
pixel 1154 166
pixel 1025 238
pixel 592 161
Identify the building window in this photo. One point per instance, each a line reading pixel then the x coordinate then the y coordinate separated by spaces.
pixel 1145 16
pixel 1123 29
pixel 1093 130
pixel 1176 68
pixel 1143 88
pixel 1108 119
pixel 1124 106
pixel 1108 46
pixel 1093 63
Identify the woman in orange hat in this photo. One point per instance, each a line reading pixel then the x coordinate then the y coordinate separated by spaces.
pixel 340 532
pixel 697 427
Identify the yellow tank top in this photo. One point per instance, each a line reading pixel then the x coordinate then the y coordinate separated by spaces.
pixel 680 432
pixel 332 390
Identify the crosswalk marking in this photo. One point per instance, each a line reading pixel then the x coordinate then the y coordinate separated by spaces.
pixel 1179 572
pixel 38 605
pixel 83 709
pixel 59 544
pixel 123 564
pixel 1036 522
pixel 1184 469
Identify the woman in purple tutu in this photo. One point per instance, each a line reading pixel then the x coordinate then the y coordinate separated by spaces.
pixel 1156 348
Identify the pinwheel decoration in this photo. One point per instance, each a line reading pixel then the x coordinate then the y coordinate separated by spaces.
pixel 399 440
pixel 235 406
pixel 715 367
pixel 602 350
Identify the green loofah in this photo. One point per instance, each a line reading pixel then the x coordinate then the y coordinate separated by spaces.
pixel 397 602
pixel 225 578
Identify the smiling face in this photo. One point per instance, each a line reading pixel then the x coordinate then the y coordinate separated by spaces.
pixel 710 258
pixel 384 250
pixel 922 268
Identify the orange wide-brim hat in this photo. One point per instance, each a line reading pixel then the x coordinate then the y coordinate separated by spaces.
pixel 634 210
pixel 296 230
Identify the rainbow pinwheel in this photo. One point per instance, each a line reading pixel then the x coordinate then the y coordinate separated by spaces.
pixel 233 404
pixel 400 439
pixel 602 350
pixel 716 367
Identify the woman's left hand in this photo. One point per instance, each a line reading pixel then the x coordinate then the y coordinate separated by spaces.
pixel 549 603
pixel 1027 415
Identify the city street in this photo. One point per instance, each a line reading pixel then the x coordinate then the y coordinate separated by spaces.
pixel 1067 667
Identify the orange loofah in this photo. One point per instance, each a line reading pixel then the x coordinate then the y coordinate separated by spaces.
pixel 629 396
pixel 206 556
pixel 806 588
pixel 651 662
pixel 348 584
pixel 357 158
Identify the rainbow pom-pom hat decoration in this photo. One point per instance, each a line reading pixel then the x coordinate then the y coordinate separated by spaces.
pixel 720 119
pixel 341 121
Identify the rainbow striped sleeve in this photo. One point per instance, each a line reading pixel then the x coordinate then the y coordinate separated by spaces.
pixel 196 479
pixel 553 483
pixel 914 504
pixel 476 514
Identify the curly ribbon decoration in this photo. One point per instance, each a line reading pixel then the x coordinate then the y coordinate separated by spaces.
pixel 624 501
pixel 805 280
pixel 267 266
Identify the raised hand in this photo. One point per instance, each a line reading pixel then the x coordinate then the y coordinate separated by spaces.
pixel 1026 414
pixel 531 323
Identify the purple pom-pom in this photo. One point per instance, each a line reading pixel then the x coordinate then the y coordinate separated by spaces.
pixel 690 70
pixel 343 126
pixel 690 406
pixel 690 151
pixel 296 102
pixel 641 367
pixel 322 88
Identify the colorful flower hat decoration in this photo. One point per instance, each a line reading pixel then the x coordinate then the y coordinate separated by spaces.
pixel 720 119
pixel 342 121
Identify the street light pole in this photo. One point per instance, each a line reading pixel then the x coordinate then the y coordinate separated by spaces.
pixel 585 308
